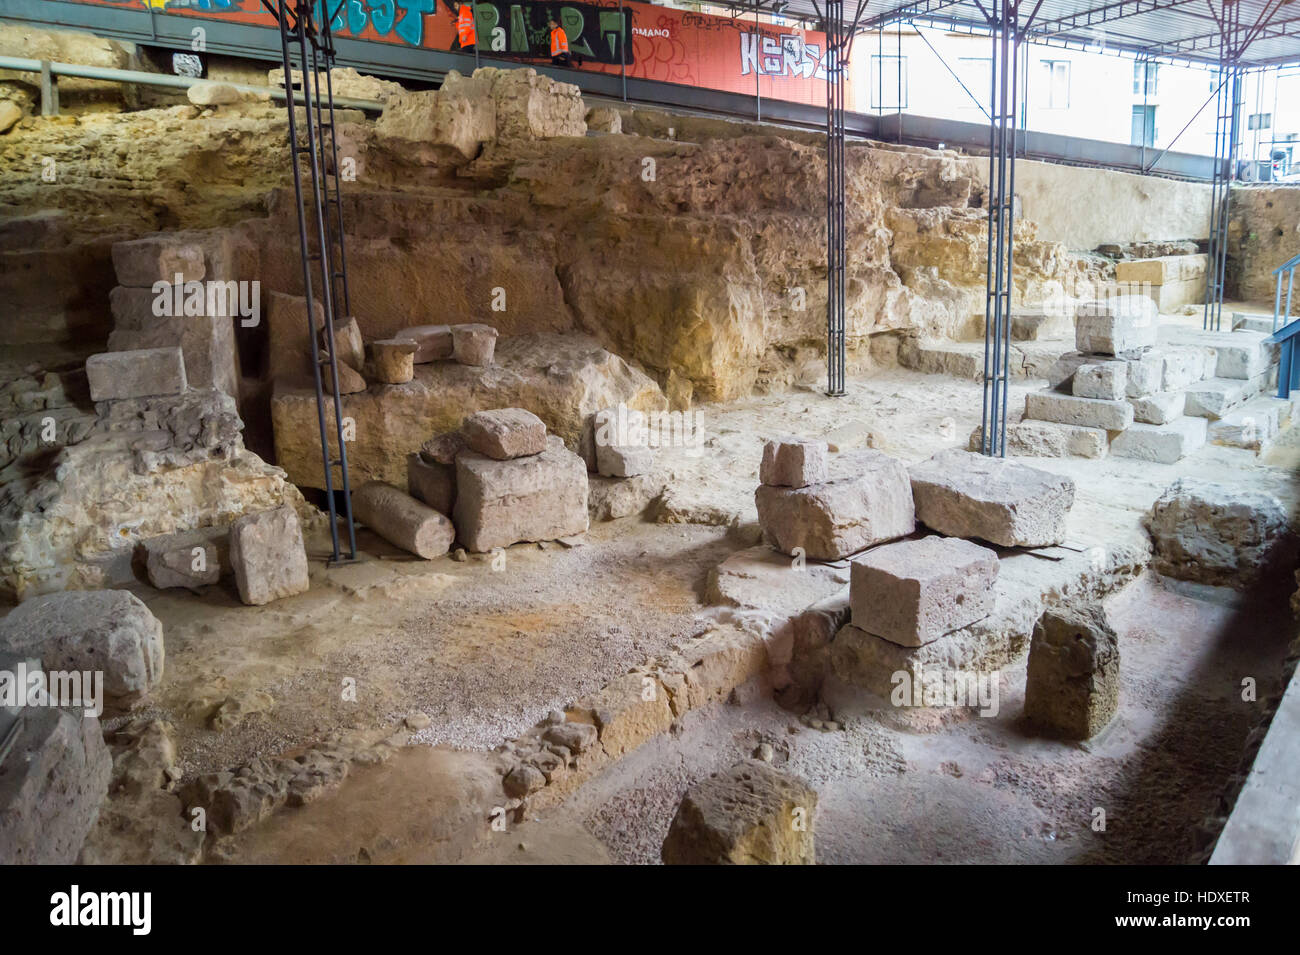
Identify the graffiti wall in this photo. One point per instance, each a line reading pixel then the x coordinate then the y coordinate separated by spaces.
pixel 649 42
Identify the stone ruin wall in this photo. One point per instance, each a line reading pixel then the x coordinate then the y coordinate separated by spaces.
pixel 1264 232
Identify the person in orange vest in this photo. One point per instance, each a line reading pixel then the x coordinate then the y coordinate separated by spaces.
pixel 466 32
pixel 559 45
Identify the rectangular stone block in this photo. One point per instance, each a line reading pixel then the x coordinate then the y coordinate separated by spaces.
pixel 1184 366
pixel 1085 412
pixel 1072 683
pixel 619 443
pixel 1118 325
pixel 189 559
pixel 1104 380
pixel 207 340
pixel 157 258
pixel 913 592
pixel 505 433
pixel 268 555
pixel 1048 439
pixel 1251 426
pixel 842 516
pixel 962 494
pixel 1215 397
pixel 431 482
pixel 793 462
pixel 288 340
pixel 1145 374
pixel 1160 408
pixel 1162 444
pixel 140 373
pixel 433 341
pixel 536 498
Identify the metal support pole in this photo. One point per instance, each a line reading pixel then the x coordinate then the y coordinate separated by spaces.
pixel 758 66
pixel 622 46
pixel 836 256
pixel 1227 131
pixel 49 91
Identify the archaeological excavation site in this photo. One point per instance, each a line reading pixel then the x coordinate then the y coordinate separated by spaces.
pixel 615 433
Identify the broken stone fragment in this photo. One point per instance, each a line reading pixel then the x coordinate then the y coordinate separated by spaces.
pixel 393 360
pixel 350 380
pixel 1072 687
pixel 505 433
pixel 433 342
pixel 288 342
pixel 1120 325
pixel 1107 379
pixel 620 444
pixel 840 517
pixel 432 483
pixel 161 257
pixel 139 373
pixel 402 520
pixel 523 780
pixel 348 342
pixel 443 448
pixel 190 559
pixel 914 592
pixel 793 462
pixel 473 344
pixel 962 494
pixel 108 631
pixel 575 737
pixel 268 554
pixel 749 815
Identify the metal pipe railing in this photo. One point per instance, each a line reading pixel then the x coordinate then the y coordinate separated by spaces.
pixel 1287 269
pixel 114 75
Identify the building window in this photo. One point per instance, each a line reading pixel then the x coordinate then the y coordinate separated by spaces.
pixel 1259 121
pixel 977 73
pixel 1145 80
pixel 1144 126
pixel 1057 84
pixel 888 82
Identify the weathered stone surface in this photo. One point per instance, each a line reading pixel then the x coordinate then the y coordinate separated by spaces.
pixel 268 555
pixel 604 119
pixel 157 258
pixel 1161 407
pixel 348 342
pixel 1239 355
pixel 1035 322
pixel 760 578
pixel 615 443
pixel 393 360
pixel 843 516
pixel 1106 380
pixel 141 373
pixel 190 559
pixel 51 786
pixel 1161 443
pixel 402 520
pixel 623 462
pixel 209 93
pixel 793 462
pixel 443 448
pixel 473 344
pixel 536 498
pixel 749 815
pixel 1049 439
pixel 207 340
pixel 962 494
pixel 345 82
pixel 98 630
pixel 1117 325
pixel 1060 374
pixel 912 592
pixel 10 114
pixel 1214 398
pixel 505 433
pixel 1072 689
pixel 1083 412
pixel 351 381
pixel 608 499
pixel 431 482
pixel 1253 426
pixel 1216 534
pixel 1145 374
pixel 288 345
pixel 433 342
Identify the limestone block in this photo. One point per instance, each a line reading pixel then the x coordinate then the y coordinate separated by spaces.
pixel 207 340
pixel 288 345
pixel 1183 366
pixel 1159 408
pixel 623 462
pixel 793 462
pixel 449 121
pixel 759 578
pixel 402 520
pixel 617 443
pixel 162 257
pixel 505 433
pixel 190 559
pixel 349 344
pixel 913 592
pixel 209 93
pixel 1105 380
pixel 608 499
pixel 832 520
pixel 1117 325
pixel 393 360
pixel 351 381
pixel 98 630
pixel 431 482
pixel 1161 443
pixel 1085 412
pixel 140 373
pixel 962 494
pixel 1072 688
pixel 604 119
pixel 10 114
pixel 1060 374
pixel 268 555
pixel 51 786
pixel 536 498
pixel 1049 439
pixel 443 448
pixel 1215 397
pixel 434 342
pixel 531 105
pixel 1252 427
pixel 473 344
pixel 749 815
pixel 1145 374
pixel 1038 322
pixel 1217 534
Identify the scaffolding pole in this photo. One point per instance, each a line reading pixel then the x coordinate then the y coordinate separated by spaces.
pixel 836 255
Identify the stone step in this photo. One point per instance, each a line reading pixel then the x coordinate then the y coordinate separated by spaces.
pixel 1216 397
pixel 1030 359
pixel 1160 443
pixel 1048 439
pixel 1253 322
pixel 1241 354
pixel 1049 405
pixel 1253 426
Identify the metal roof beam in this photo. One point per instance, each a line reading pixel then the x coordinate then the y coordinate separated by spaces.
pixel 1119 10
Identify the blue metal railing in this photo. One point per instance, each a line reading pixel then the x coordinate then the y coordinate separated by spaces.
pixel 1285 331
pixel 1287 268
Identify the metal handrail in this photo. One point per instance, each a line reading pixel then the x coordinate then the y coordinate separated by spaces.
pixel 1290 263
pixel 1287 268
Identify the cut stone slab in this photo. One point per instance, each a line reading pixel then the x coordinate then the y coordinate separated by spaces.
pixel 141 373
pixel 1215 397
pixel 749 815
pixel 207 340
pixel 433 342
pixel 402 520
pixel 431 482
pixel 1049 439
pixel 505 433
pixel 1185 365
pixel 793 462
pixel 91 630
pixel 473 344
pixel 623 462
pixel 393 360
pixel 1145 374
pixel 1072 687
pixel 1060 374
pixel 541 497
pixel 1160 443
pixel 351 381
pixel 963 494
pixel 1255 322
pixel 1106 380
pixel 52 784
pixel 267 552
pixel 191 559
pixel 913 592
pixel 759 578
pixel 288 344
pixel 1032 323
pixel 620 443
pixel 843 516
pixel 443 448
pixel 1239 355
pixel 1116 325
pixel 1217 534
pixel 1253 426
pixel 349 344
pixel 1159 408
pixel 608 499
pixel 1084 412
pixel 158 258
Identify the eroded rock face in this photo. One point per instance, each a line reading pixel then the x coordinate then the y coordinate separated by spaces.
pixel 1072 689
